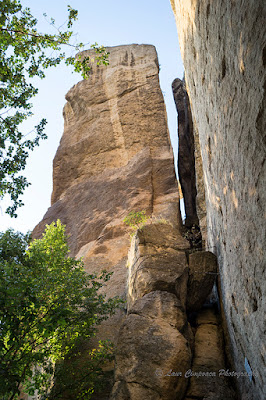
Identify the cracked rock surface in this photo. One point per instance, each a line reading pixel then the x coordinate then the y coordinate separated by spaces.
pixel 114 157
pixel 157 346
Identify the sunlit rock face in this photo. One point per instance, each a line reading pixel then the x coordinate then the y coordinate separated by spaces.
pixel 114 157
pixel 223 49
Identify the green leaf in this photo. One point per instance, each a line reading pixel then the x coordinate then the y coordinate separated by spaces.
pixel 49 308
pixel 25 53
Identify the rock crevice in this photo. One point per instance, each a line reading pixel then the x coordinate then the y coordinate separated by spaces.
pixel 223 49
pixel 114 157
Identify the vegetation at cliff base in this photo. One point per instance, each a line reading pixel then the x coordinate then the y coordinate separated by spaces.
pixel 26 53
pixel 49 308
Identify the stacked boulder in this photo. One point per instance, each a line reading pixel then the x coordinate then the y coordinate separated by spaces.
pixel 114 157
pixel 156 345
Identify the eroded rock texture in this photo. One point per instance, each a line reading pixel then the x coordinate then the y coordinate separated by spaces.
pixel 208 378
pixel 114 157
pixel 154 353
pixel 154 337
pixel 189 161
pixel 186 158
pixel 202 275
pixel 158 262
pixel 223 49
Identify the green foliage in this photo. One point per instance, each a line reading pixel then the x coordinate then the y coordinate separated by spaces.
pixel 49 307
pixel 86 373
pixel 26 53
pixel 83 64
pixel 136 219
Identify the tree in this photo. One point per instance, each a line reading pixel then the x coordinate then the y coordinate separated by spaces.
pixel 23 56
pixel 49 307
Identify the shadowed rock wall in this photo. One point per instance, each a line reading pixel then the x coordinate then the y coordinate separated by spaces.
pixel 223 49
pixel 189 161
pixel 159 355
pixel 186 149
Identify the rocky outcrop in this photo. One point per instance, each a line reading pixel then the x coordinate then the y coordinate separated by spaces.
pixel 208 375
pixel 114 157
pixel 202 274
pixel 158 262
pixel 138 362
pixel 154 352
pixel 186 158
pixel 157 292
pixel 189 163
pixel 223 49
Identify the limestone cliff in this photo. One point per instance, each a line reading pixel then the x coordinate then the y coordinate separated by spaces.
pixel 114 157
pixel 223 49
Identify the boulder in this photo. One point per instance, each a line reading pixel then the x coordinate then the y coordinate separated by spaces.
pixel 161 235
pixel 147 351
pixel 206 380
pixel 157 265
pixel 202 274
pixel 163 306
pixel 165 272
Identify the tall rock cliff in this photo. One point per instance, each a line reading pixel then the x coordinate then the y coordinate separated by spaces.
pixel 223 49
pixel 114 157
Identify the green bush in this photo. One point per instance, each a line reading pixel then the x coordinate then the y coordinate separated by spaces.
pixel 49 306
pixel 136 219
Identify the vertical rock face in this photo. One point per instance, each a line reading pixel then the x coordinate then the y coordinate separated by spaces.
pixel 155 349
pixel 208 378
pixel 200 199
pixel 189 161
pixel 153 339
pixel 223 49
pixel 114 157
pixel 186 158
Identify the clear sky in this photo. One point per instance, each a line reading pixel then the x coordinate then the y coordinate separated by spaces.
pixel 106 22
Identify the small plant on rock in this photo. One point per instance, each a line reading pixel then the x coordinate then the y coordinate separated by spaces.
pixel 136 219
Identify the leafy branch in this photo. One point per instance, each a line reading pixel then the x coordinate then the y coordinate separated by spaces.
pixel 49 307
pixel 23 56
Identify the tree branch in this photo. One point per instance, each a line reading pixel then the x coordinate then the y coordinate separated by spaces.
pixel 39 36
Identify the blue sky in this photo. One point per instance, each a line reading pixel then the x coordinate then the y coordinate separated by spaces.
pixel 109 23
